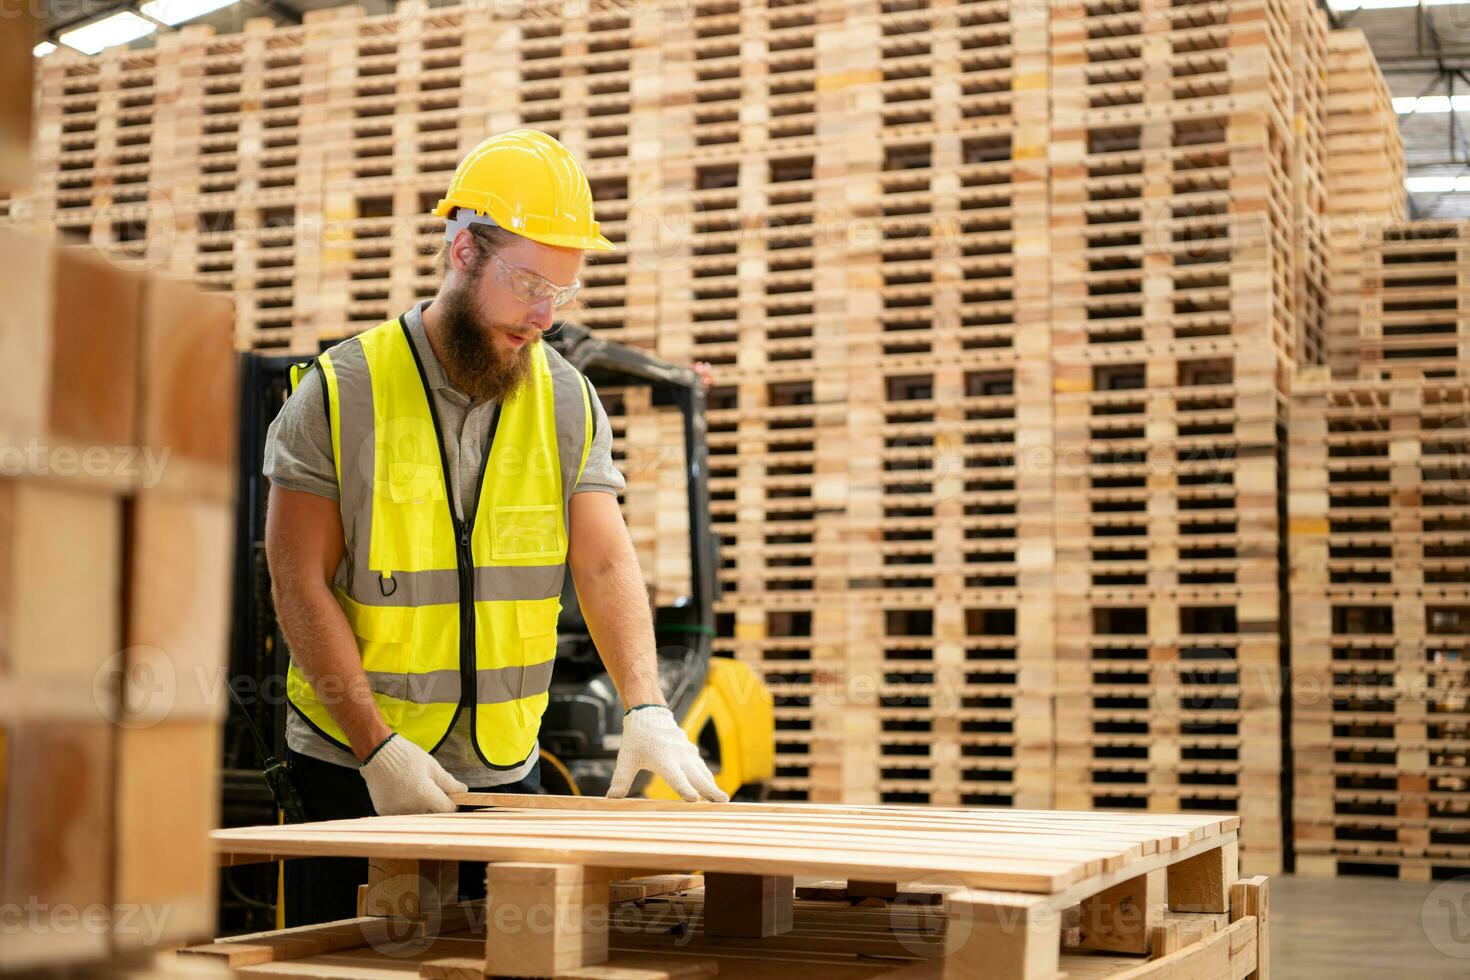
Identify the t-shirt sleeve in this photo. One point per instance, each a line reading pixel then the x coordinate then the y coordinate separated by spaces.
pixel 600 474
pixel 298 444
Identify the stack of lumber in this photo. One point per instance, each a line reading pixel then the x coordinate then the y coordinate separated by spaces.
pixel 919 892
pixel 1380 540
pixel 117 444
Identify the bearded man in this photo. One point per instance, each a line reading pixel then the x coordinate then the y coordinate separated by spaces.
pixel 432 480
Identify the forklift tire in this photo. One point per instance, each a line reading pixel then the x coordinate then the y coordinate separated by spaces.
pixel 556 779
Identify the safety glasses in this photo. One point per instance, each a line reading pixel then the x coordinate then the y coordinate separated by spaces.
pixel 531 289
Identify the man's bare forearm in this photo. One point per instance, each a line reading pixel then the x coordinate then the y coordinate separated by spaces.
pixel 326 651
pixel 614 602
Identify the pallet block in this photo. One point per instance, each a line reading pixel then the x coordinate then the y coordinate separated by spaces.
pixel 61 584
pixel 56 837
pixel 188 412
pixel 75 324
pixel 167 794
pixel 409 889
pixel 544 920
pixel 93 394
pixel 178 607
pixel 752 906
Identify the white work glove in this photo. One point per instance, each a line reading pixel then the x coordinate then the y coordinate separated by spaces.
pixel 403 778
pixel 653 740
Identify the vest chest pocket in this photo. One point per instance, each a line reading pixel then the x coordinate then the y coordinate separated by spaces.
pixel 526 533
pixel 408 451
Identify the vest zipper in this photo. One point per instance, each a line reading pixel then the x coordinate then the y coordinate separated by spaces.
pixel 468 695
pixel 466 621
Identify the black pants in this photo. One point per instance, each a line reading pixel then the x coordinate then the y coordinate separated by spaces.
pixel 325 889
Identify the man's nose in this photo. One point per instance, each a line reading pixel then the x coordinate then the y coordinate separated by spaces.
pixel 540 315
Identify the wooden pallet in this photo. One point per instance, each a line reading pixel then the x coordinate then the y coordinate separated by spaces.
pixel 919 243
pixel 928 892
pixel 1413 314
pixel 1365 175
pixel 1378 535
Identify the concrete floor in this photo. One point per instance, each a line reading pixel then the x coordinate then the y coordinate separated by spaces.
pixel 1368 928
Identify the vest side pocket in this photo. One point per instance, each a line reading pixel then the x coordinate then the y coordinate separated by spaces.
pixel 385 642
pixel 536 626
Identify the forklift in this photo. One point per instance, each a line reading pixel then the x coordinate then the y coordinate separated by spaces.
pixel 721 703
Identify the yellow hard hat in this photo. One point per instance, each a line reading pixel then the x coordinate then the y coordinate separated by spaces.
pixel 529 184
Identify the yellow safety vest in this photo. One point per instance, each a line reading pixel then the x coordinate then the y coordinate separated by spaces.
pixel 449 615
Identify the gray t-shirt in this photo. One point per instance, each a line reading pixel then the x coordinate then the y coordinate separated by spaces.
pixel 298 456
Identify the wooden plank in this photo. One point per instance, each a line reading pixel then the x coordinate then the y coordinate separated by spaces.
pixel 1024 859
pixel 301 942
pixel 635 967
pixel 638 889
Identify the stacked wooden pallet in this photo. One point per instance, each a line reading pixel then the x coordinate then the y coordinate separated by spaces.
pixel 1416 300
pixel 1365 183
pixel 922 893
pixel 748 254
pixel 116 521
pixel 1179 305
pixel 1380 540
pixel 1000 299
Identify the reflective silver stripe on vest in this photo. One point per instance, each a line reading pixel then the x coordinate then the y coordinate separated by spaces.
pixel 493 583
pixel 492 686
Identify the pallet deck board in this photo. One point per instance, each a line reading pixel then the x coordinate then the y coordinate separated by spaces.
pixel 1034 851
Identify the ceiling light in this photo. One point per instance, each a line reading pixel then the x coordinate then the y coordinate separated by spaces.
pixel 43 49
pixel 120 28
pixel 172 12
pixel 1438 185
pixel 1345 6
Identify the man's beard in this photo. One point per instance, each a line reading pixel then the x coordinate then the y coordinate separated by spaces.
pixel 474 363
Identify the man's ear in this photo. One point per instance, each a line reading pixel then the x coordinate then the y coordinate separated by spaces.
pixel 462 250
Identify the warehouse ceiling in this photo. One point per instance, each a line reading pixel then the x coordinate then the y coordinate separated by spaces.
pixel 1423 49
